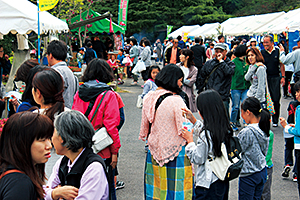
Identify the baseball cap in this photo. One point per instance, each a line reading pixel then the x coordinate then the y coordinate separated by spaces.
pixel 81 49
pixel 253 40
pixel 297 40
pixel 220 46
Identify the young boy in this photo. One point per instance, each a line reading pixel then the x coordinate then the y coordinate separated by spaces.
pixel 295 130
pixel 80 55
pixel 289 143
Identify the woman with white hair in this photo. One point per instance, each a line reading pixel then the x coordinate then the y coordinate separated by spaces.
pixel 79 173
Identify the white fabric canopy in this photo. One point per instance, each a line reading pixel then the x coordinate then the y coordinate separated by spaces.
pixel 182 29
pixel 20 16
pixel 205 30
pixel 253 22
pixel 231 23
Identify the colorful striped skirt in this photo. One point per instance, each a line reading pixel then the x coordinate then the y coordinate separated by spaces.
pixel 174 180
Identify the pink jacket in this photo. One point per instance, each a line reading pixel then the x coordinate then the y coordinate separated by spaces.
pixel 108 114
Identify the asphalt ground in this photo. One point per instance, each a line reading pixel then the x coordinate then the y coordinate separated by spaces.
pixel 132 156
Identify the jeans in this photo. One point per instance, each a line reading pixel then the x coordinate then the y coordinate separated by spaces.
pixel 237 96
pixel 288 153
pixel 111 178
pixel 251 187
pixel 266 195
pixel 218 190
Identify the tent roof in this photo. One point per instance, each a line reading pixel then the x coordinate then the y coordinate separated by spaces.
pixel 182 29
pixel 252 23
pixel 206 29
pixel 20 16
pixel 98 26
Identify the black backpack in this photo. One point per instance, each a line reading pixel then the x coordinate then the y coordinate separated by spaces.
pixel 234 151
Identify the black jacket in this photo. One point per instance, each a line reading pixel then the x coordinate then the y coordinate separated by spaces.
pixel 199 55
pixel 220 79
pixel 168 54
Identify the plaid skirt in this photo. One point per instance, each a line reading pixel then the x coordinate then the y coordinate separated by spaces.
pixel 174 180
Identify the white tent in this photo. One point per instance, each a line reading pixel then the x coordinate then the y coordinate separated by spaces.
pixel 285 22
pixel 254 22
pixel 231 23
pixel 183 29
pixel 205 30
pixel 20 16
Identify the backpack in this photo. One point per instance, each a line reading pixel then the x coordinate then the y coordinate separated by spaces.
pixel 229 165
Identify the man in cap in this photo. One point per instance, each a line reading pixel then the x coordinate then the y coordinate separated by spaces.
pixel 217 73
pixel 298 41
pixel 253 43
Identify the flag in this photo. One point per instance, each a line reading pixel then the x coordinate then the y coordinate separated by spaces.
pixel 122 15
pixel 169 29
pixel 111 30
pixel 47 4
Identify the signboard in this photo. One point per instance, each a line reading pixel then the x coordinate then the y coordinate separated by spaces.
pixel 123 9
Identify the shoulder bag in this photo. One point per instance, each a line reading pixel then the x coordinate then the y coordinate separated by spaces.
pixel 101 138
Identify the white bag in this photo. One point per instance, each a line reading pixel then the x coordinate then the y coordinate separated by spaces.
pixel 139 102
pixel 221 164
pixel 101 140
pixel 139 67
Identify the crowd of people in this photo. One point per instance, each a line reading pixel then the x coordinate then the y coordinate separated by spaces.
pixel 56 112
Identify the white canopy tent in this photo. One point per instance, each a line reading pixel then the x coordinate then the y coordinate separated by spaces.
pixel 253 22
pixel 281 23
pixel 206 29
pixel 183 29
pixel 20 16
pixel 231 23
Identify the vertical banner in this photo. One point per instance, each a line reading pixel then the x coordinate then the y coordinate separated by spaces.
pixel 123 9
pixel 169 29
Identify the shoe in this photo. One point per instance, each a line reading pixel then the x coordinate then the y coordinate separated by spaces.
pixel 133 83
pixel 275 125
pixel 121 83
pixel 286 171
pixel 294 177
pixel 142 86
pixel 120 185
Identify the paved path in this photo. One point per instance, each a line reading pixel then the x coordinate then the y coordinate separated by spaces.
pixel 132 155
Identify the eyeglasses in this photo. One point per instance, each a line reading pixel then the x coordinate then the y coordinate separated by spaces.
pixel 1 51
pixel 175 42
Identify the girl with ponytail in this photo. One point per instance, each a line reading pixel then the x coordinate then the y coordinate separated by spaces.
pixel 47 91
pixel 254 142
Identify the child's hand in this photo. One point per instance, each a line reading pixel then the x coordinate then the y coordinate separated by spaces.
pixel 187 135
pixel 282 122
pixel 189 115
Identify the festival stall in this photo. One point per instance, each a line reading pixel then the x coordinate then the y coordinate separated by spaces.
pixel 183 31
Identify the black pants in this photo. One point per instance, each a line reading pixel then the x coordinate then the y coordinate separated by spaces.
pixel 145 74
pixel 274 89
pixel 288 76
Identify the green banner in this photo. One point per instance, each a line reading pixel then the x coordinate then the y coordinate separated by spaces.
pixel 123 9
pixel 169 29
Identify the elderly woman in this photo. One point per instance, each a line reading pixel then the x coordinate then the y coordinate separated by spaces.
pixel 79 173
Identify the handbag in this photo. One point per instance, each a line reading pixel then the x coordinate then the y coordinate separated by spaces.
pixel 101 138
pixel 139 67
pixel 139 103
pixel 270 104
pixel 229 165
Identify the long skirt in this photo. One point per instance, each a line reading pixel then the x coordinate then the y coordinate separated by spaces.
pixel 174 180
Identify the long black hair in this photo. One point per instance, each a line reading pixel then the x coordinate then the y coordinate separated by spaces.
pixel 168 78
pixel 190 53
pixel 215 119
pixel 253 105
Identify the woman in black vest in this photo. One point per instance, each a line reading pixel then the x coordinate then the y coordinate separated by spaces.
pixel 79 173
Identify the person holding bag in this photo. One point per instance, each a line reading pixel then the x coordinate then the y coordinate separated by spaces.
pixel 214 130
pixel 257 75
pixel 95 78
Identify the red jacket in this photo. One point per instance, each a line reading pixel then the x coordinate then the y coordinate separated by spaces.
pixel 108 115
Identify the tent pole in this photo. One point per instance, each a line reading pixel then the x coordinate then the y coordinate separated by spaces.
pixel 39 39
